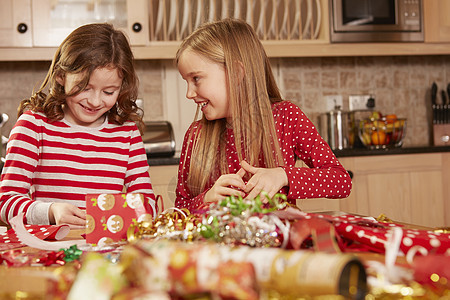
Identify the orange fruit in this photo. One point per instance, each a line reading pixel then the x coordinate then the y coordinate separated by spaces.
pixel 391 118
pixel 378 138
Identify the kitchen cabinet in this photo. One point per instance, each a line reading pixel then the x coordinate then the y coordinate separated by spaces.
pixel 436 21
pixel 164 182
pixel 15 23
pixel 411 188
pixel 28 24
pixel 147 45
pixel 54 20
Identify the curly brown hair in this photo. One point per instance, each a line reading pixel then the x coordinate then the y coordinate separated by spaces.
pixel 87 48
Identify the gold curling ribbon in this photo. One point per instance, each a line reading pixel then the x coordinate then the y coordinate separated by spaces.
pixel 166 225
pixel 383 218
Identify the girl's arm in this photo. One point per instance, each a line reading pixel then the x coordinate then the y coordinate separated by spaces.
pixel 22 156
pixel 137 179
pixel 183 194
pixel 324 177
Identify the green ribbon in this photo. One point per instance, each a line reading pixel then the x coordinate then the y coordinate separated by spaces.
pixel 72 253
pixel 237 207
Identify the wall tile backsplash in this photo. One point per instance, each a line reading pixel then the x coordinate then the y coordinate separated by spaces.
pixel 400 85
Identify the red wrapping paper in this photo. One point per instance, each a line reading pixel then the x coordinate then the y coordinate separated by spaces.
pixel 108 216
pixel 433 270
pixel 9 239
pixel 354 233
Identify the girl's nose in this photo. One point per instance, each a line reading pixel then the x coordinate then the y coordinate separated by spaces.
pixel 94 100
pixel 190 93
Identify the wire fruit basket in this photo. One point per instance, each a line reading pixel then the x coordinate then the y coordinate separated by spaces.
pixel 382 133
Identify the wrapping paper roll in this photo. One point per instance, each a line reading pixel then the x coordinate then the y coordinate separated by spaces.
pixel 192 268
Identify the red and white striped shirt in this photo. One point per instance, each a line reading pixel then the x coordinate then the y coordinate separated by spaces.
pixel 58 161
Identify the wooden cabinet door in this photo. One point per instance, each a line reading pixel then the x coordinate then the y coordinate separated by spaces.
pixel 406 188
pixel 389 194
pixel 164 182
pixel 138 22
pixel 436 20
pixel 428 201
pixel 53 20
pixel 15 23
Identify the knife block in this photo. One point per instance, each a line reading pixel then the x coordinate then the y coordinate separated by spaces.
pixel 441 134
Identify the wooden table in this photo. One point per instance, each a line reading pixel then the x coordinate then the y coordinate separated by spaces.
pixel 34 282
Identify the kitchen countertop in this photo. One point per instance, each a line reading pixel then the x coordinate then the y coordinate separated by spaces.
pixel 391 151
pixel 162 161
pixel 339 153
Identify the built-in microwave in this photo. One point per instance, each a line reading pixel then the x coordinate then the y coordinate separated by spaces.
pixel 376 21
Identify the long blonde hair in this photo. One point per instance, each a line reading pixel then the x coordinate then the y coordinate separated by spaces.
pixel 234 44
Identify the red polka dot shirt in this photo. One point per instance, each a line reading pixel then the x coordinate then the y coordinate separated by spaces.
pixel 298 138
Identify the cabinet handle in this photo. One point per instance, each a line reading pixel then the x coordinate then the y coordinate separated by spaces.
pixel 350 173
pixel 22 28
pixel 137 27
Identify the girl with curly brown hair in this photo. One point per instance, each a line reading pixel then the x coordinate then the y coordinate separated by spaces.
pixel 79 133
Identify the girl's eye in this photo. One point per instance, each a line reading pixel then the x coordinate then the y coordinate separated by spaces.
pixel 108 93
pixel 196 78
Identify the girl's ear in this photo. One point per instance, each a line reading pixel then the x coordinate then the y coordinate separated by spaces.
pixel 60 80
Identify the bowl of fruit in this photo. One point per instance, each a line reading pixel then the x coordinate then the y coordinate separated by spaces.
pixel 379 132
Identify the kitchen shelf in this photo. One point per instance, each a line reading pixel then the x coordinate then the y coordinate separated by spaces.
pixel 167 50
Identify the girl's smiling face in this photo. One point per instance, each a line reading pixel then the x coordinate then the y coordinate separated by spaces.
pixel 206 84
pixel 88 107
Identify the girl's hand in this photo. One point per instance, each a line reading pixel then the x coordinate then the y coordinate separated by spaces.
pixel 65 213
pixel 226 185
pixel 264 179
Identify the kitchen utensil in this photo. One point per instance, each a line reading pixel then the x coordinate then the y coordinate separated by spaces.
pixel 335 128
pixel 443 107
pixel 433 102
pixel 447 105
pixel 382 133
pixel 159 139
pixel 441 117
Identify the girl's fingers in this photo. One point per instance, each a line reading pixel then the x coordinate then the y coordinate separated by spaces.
pixel 247 167
pixel 74 220
pixel 241 172
pixel 77 226
pixel 234 180
pixel 80 214
pixel 254 192
pixel 226 191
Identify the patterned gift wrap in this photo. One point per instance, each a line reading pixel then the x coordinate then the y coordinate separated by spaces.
pixel 240 272
pixel 108 216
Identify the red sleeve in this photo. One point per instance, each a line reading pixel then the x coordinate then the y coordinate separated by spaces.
pixel 137 179
pixel 183 194
pixel 21 160
pixel 324 177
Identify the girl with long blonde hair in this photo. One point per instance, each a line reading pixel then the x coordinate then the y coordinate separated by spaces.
pixel 248 139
